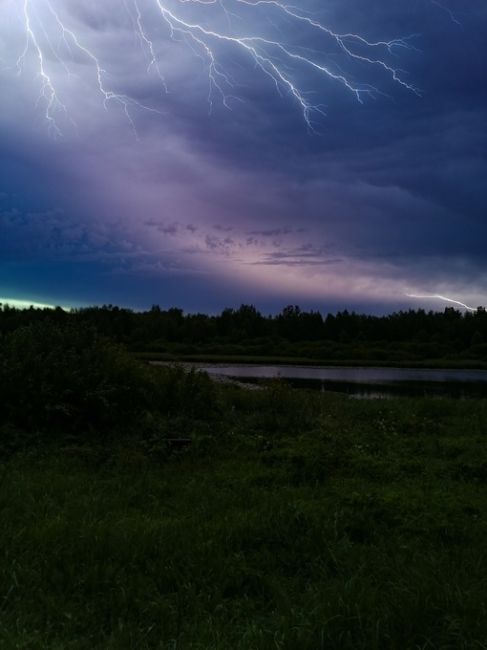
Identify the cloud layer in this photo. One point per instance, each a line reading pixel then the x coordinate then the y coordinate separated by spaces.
pixel 180 204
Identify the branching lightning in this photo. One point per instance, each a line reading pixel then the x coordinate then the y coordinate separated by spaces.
pixel 448 11
pixel 48 91
pixel 437 296
pixel 216 31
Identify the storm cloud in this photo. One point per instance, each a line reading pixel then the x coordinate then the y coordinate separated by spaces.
pixel 208 203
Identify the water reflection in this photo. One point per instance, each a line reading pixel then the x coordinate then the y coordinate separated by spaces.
pixel 365 383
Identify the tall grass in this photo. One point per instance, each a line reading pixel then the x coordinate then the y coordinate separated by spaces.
pixel 295 521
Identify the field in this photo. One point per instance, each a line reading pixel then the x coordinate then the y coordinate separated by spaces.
pixel 293 521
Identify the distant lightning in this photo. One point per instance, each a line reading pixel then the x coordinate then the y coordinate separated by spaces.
pixel 285 65
pixel 447 10
pixel 443 298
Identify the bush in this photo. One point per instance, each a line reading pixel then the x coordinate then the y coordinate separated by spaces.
pixel 277 408
pixel 67 378
pixel 187 393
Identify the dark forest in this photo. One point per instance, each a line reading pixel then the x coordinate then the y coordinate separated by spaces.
pixel 401 337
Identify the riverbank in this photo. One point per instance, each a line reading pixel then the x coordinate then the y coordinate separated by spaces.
pixel 292 520
pixel 434 364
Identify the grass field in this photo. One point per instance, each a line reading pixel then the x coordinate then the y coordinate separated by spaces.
pixel 293 521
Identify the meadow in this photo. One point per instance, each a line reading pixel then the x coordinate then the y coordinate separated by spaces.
pixel 288 519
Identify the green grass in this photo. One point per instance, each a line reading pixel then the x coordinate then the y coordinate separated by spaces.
pixel 294 522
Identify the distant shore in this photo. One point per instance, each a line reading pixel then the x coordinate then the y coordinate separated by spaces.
pixel 435 364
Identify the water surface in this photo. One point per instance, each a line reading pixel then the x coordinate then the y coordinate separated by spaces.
pixel 362 381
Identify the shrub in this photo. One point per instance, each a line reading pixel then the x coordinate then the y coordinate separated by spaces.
pixel 185 393
pixel 67 378
pixel 278 408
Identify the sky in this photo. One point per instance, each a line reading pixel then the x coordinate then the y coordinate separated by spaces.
pixel 207 153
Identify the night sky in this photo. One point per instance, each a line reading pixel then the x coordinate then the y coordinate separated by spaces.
pixel 333 185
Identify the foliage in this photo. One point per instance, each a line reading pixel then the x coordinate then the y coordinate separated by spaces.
pixel 65 377
pixel 406 336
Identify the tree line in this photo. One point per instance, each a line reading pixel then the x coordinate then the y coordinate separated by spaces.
pixel 422 333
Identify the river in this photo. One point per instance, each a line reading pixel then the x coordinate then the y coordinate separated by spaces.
pixel 361 382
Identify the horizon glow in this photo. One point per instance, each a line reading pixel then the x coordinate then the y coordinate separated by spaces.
pixel 24 304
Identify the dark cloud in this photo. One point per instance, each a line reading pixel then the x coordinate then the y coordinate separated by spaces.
pixel 384 196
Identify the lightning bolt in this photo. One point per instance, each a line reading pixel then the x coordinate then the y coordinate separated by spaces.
pixel 213 41
pixel 47 91
pixel 437 296
pixel 147 42
pixel 448 11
